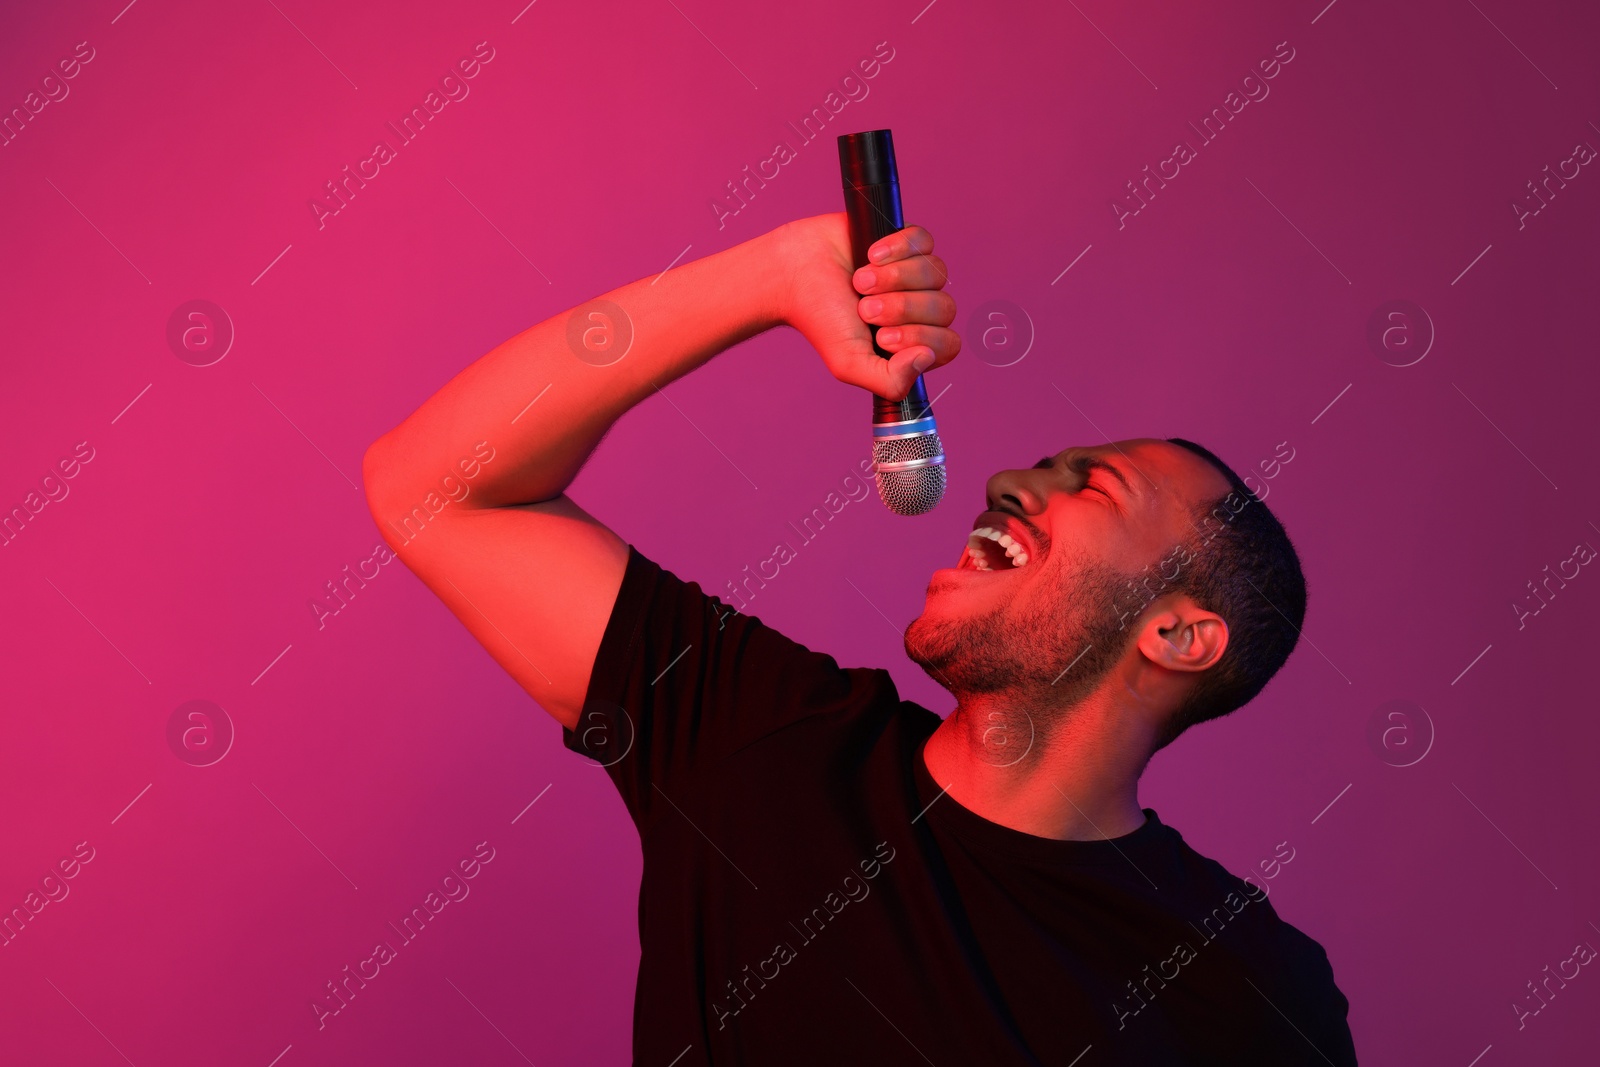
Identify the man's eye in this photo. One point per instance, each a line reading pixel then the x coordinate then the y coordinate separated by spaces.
pixel 1088 480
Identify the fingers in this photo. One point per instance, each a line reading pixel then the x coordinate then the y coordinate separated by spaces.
pixel 889 378
pixel 943 343
pixel 913 349
pixel 902 295
pixel 919 272
pixel 902 244
pixel 932 308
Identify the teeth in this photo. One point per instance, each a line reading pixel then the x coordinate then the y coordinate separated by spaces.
pixel 1014 550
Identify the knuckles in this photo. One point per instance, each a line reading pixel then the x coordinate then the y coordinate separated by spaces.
pixel 929 307
pixel 918 240
pixel 921 272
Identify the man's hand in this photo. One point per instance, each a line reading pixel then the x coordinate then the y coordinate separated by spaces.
pixel 900 291
pixel 527 571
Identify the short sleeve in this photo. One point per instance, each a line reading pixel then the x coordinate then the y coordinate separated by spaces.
pixel 682 681
pixel 1337 1042
pixel 1324 1010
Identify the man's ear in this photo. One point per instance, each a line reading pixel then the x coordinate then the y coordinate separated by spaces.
pixel 1184 637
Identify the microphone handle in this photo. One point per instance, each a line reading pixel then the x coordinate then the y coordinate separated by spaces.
pixel 874 213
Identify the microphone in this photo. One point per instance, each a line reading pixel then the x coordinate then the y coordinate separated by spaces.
pixel 908 457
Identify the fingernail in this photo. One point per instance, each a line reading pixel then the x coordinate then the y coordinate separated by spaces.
pixel 879 254
pixel 871 306
pixel 865 279
pixel 922 362
pixel 889 336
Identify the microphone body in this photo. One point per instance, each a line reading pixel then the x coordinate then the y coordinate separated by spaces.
pixel 908 457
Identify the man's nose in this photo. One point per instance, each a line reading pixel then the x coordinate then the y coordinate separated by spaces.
pixel 1027 491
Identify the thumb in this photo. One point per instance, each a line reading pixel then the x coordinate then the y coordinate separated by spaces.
pixel 890 378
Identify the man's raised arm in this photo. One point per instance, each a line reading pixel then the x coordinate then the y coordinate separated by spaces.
pixel 469 489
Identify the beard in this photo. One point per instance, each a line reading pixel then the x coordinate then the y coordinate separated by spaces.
pixel 1047 650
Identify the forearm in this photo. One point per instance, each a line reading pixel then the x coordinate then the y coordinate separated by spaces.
pixel 678 321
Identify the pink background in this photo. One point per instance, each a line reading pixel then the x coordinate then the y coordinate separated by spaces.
pixel 373 754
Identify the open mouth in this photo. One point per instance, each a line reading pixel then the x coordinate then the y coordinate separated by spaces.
pixel 989 549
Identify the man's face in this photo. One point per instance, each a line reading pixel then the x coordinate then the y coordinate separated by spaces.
pixel 1084 525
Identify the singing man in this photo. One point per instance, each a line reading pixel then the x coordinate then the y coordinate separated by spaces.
pixel 834 875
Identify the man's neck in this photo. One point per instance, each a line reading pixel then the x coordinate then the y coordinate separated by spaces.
pixel 1081 783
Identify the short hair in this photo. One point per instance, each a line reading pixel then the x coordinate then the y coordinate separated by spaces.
pixel 1244 568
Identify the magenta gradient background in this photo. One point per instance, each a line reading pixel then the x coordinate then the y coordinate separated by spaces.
pixel 185 557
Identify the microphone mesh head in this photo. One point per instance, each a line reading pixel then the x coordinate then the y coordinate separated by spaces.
pixel 910 490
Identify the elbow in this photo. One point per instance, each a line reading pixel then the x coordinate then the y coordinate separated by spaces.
pixel 377 474
pixel 378 482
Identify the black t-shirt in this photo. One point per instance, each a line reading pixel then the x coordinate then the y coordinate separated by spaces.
pixel 810 897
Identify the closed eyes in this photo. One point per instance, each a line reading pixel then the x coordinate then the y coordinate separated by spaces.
pixel 1083 465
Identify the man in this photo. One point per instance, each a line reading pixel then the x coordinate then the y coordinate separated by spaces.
pixel 833 875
